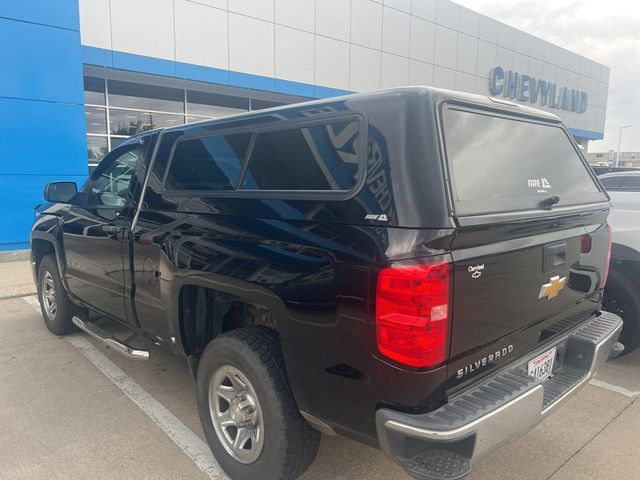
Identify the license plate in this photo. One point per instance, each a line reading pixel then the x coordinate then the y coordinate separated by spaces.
pixel 542 366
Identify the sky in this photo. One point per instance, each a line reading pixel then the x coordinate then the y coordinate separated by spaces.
pixel 607 31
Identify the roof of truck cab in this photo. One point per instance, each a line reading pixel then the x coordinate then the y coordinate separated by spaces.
pixel 429 94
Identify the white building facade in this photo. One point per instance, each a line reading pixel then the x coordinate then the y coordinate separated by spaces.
pixel 319 48
pixel 79 76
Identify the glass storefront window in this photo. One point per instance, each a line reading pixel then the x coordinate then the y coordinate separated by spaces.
pixel 96 120
pixel 116 141
pixel 94 91
pixel 145 97
pixel 97 148
pixel 213 105
pixel 191 119
pixel 116 109
pixel 257 104
pixel 128 122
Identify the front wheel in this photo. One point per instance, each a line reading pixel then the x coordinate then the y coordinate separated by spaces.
pixel 622 298
pixel 57 308
pixel 247 410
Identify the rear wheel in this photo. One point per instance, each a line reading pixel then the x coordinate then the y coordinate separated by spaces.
pixel 247 410
pixel 57 308
pixel 622 298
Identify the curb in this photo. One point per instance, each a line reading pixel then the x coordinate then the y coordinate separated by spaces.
pixel 14 256
pixel 17 291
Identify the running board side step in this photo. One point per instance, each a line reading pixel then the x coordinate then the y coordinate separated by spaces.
pixel 105 337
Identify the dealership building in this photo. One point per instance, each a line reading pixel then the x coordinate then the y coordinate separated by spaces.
pixel 79 76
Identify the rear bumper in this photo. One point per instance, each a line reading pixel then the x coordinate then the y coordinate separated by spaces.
pixel 445 442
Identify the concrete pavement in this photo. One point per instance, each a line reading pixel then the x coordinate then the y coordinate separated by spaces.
pixel 16 279
pixel 61 417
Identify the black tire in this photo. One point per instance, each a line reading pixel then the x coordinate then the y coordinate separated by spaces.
pixel 622 298
pixel 59 323
pixel 290 443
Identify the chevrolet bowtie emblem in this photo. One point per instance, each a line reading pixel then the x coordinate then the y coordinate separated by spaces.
pixel 551 289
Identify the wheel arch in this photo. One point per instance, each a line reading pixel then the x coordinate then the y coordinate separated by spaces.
pixel 205 306
pixel 626 261
pixel 45 243
pixel 40 248
pixel 288 323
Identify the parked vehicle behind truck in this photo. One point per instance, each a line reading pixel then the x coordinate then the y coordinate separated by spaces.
pixel 416 269
pixel 622 291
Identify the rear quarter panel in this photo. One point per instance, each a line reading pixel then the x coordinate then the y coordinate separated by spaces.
pixel 625 218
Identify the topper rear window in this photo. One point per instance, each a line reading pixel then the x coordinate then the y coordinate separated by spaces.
pixel 504 164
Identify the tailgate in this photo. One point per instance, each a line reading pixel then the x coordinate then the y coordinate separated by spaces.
pixel 530 249
pixel 514 282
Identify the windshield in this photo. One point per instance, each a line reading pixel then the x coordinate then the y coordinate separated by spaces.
pixel 503 164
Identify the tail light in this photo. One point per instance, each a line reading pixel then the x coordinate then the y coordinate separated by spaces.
pixel 585 243
pixel 606 267
pixel 412 313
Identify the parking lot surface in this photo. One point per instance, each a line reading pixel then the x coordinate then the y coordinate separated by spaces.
pixel 70 409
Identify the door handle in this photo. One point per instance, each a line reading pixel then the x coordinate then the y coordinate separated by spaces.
pixel 111 229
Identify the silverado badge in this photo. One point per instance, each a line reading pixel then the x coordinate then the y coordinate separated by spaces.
pixel 551 289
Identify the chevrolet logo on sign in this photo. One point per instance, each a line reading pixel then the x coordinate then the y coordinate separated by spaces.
pixel 551 289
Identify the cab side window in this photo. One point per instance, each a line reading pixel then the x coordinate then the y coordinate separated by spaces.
pixel 311 158
pixel 110 185
pixel 612 183
pixel 208 163
pixel 631 182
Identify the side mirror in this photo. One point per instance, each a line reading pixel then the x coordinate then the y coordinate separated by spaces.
pixel 60 192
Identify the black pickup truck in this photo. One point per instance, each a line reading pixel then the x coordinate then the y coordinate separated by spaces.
pixel 416 269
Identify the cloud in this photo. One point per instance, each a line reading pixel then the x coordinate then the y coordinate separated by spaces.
pixel 605 31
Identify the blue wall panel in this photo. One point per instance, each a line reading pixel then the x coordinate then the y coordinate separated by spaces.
pixel 42 124
pixel 18 196
pixel 587 134
pixel 56 13
pixel 42 138
pixel 156 66
pixel 247 80
pixel 40 63
pixel 326 92
pixel 294 88
pixel 202 74
pixel 97 56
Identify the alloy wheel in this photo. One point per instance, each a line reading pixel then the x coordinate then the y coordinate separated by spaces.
pixel 236 414
pixel 49 296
